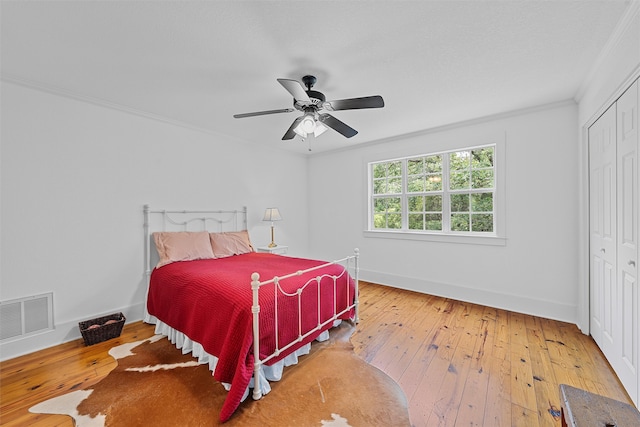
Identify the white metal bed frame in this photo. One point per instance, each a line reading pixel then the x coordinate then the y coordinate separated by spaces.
pixel 236 220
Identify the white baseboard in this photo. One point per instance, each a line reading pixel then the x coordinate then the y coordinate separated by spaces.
pixel 542 308
pixel 63 332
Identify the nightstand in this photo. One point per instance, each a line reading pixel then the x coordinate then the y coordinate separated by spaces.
pixel 280 249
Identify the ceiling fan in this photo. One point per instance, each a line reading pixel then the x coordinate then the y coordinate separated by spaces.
pixel 312 103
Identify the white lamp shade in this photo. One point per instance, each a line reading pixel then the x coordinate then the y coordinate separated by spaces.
pixel 272 214
pixel 308 124
pixel 320 128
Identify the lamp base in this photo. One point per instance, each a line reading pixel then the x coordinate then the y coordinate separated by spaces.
pixel 273 242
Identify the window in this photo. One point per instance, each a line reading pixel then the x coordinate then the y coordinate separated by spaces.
pixel 451 192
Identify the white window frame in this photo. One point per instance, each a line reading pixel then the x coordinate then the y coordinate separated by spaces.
pixel 495 238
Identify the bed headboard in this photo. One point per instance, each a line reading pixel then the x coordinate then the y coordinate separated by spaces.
pixel 184 220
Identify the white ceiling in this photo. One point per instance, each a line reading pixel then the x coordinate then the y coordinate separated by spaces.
pixel 199 62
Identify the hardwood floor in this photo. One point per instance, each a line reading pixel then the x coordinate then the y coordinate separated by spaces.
pixel 459 364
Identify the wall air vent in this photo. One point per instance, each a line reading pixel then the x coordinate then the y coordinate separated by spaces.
pixel 26 316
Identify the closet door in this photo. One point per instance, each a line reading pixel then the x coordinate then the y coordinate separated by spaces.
pixel 628 327
pixel 602 239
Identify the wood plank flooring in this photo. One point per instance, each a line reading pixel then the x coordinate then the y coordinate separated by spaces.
pixel 463 364
pixel 459 364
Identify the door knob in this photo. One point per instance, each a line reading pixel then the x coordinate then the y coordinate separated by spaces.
pixel 632 262
pixel 602 250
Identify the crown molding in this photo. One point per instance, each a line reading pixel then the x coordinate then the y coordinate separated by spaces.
pixel 624 25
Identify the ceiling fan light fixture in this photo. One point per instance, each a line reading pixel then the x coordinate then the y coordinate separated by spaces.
pixel 308 123
pixel 307 126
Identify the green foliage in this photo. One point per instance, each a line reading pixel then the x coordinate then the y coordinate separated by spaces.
pixel 482 178
pixel 482 158
pixel 416 203
pixel 416 221
pixel 433 203
pixel 415 184
pixel 482 202
pixel 459 180
pixel 459 222
pixel 482 222
pixel 387 212
pixel 433 222
pixel 459 203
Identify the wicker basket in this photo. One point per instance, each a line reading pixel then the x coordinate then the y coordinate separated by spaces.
pixel 103 332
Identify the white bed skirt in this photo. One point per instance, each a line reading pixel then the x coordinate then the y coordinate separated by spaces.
pixel 267 373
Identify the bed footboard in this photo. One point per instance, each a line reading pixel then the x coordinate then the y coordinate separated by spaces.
pixel 350 263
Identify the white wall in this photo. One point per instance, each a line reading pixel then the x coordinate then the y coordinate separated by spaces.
pixel 74 179
pixel 535 272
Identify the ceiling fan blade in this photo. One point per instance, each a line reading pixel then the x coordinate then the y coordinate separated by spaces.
pixel 295 89
pixel 290 134
pixel 263 113
pixel 357 103
pixel 337 125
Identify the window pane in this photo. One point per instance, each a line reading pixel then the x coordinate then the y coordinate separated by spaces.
pixel 416 204
pixel 379 186
pixel 482 202
pixel 482 178
pixel 433 203
pixel 459 222
pixel 394 221
pixel 433 183
pixel 459 180
pixel 393 204
pixel 415 184
pixel 379 205
pixel 459 203
pixel 379 170
pixel 482 222
pixel 416 222
pixel 459 160
pixel 394 186
pixel 379 221
pixel 482 158
pixel 415 166
pixel 433 164
pixel 433 222
pixel 395 169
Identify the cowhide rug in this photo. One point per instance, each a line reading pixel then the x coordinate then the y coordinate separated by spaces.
pixel 154 384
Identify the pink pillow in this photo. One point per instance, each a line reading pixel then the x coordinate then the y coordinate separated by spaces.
pixel 182 246
pixel 230 243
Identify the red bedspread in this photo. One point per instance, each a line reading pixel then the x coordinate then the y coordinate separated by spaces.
pixel 210 302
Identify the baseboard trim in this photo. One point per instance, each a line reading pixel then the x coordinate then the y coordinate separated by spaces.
pixel 63 332
pixel 517 303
